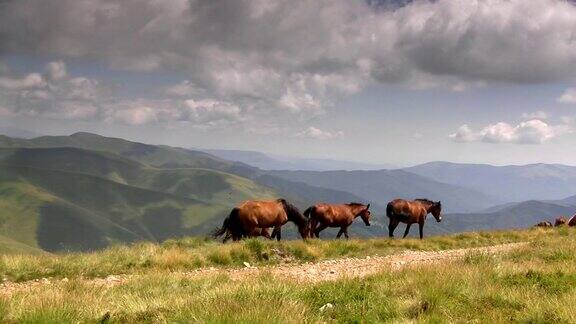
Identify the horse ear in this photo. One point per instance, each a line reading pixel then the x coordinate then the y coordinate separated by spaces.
pixel 367 207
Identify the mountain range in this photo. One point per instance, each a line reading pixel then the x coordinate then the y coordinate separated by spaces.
pixel 266 161
pixel 86 192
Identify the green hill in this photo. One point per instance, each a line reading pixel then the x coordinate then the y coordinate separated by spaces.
pixel 56 210
pixel 75 199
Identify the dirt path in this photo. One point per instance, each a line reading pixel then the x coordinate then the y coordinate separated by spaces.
pixel 306 272
pixel 355 267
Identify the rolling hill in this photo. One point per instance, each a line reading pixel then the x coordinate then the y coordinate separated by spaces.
pixel 510 183
pixel 57 210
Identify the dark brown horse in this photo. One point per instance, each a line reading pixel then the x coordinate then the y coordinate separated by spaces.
pixel 410 212
pixel 327 215
pixel 253 218
pixel 560 221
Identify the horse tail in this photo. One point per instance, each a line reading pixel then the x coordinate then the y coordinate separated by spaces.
pixel 227 226
pixel 389 210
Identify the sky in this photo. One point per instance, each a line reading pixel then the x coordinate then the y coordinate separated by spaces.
pixel 401 82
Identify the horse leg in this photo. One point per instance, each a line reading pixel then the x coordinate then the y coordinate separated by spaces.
pixel 407 230
pixel 278 232
pixel 346 232
pixel 340 232
pixel 392 227
pixel 421 226
pixel 313 224
pixel 319 229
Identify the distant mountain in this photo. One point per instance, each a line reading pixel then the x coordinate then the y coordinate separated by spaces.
pixel 508 183
pixel 385 185
pixel 278 162
pixel 519 215
pixel 17 132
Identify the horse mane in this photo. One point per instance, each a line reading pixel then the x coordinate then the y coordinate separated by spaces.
pixel 293 213
pixel 355 204
pixel 425 201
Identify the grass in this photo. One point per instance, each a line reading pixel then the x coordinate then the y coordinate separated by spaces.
pixel 191 253
pixel 536 284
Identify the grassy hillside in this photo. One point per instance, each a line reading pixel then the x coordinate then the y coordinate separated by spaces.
pixel 535 284
pixel 10 246
pixel 57 210
pixel 211 186
pixel 384 185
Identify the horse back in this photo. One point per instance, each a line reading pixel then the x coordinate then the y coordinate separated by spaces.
pixel 331 214
pixel 262 213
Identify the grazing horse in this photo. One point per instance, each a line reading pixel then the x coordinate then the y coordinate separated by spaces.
pixel 327 215
pixel 253 218
pixel 410 212
pixel 560 221
pixel 543 224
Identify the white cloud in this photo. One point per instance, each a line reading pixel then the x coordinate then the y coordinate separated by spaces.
pixel 211 111
pixel 56 70
pixel 318 134
pixel 464 134
pixel 527 132
pixel 568 97
pixel 30 81
pixel 137 115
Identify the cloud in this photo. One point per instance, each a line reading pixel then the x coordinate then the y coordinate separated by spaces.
pixel 301 56
pixel 527 132
pixel 56 70
pixel 318 134
pixel 535 115
pixel 137 115
pixel 568 97
pixel 30 81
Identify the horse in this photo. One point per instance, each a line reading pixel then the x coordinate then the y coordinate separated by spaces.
pixel 560 221
pixel 572 221
pixel 543 224
pixel 331 215
pixel 252 218
pixel 410 212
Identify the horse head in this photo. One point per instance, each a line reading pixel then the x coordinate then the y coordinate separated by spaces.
pixel 365 215
pixel 436 211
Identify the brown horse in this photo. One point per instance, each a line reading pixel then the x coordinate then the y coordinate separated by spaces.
pixel 560 221
pixel 253 218
pixel 572 221
pixel 410 212
pixel 327 215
